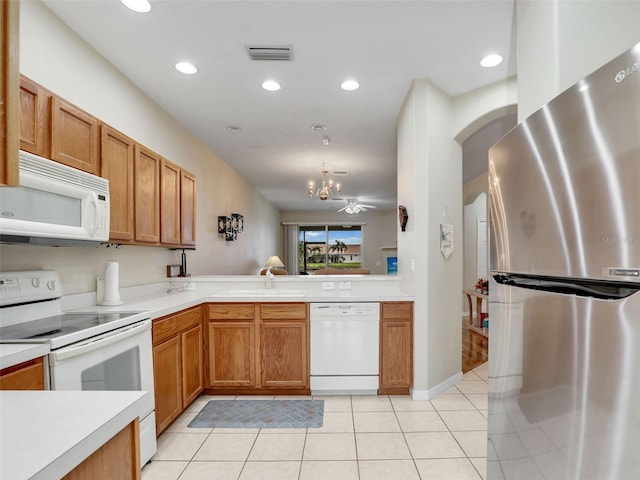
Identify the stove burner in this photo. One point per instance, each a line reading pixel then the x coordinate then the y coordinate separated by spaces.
pixel 46 329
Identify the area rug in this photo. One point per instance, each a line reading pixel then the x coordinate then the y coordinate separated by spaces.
pixel 260 414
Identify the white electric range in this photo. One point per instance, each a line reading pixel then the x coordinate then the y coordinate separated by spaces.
pixel 92 350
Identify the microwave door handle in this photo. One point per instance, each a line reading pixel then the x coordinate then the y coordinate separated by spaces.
pixel 94 204
pixel 100 341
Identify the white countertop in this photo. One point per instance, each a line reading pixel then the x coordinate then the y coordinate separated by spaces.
pixel 46 434
pixel 159 301
pixel 13 354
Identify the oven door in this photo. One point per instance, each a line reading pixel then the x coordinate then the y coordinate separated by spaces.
pixel 117 360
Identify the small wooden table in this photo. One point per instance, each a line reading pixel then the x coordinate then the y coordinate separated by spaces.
pixel 477 326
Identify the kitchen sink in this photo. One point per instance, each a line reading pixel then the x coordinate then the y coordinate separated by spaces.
pixel 274 292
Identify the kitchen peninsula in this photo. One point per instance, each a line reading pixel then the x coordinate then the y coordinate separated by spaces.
pixel 48 434
pixel 183 324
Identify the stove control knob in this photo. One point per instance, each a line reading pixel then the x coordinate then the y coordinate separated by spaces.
pixel 35 281
pixel 51 284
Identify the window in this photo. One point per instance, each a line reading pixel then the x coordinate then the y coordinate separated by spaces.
pixel 329 246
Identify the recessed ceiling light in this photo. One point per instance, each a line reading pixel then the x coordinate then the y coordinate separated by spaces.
pixel 271 85
pixel 140 6
pixel 186 68
pixel 317 127
pixel 233 128
pixel 350 85
pixel 492 60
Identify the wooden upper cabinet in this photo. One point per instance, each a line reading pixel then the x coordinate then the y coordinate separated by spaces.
pixel 169 203
pixel 147 195
pixel 187 208
pixel 35 130
pixel 74 136
pixel 116 160
pixel 9 79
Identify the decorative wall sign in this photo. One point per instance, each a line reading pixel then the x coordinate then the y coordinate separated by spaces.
pixel 446 240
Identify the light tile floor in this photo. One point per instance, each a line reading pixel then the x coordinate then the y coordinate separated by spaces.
pixel 362 438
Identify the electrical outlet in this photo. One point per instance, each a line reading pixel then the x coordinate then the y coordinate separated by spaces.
pixel 189 286
pixel 328 286
pixel 345 285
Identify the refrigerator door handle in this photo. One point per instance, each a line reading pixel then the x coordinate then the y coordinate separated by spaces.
pixel 600 289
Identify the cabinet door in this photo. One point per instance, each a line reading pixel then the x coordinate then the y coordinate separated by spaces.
pixel 284 350
pixel 35 133
pixel 118 458
pixel 191 365
pixel 25 376
pixel 232 354
pixel 167 368
pixel 117 167
pixel 395 356
pixel 9 79
pixel 187 208
pixel 147 195
pixel 74 136
pixel 169 203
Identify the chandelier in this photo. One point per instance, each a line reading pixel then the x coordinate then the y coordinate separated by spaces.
pixel 327 188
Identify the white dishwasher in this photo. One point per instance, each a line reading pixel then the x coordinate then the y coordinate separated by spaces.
pixel 344 348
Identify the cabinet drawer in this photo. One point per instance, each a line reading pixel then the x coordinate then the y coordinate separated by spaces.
pixel 25 376
pixel 231 311
pixel 283 311
pixel 170 326
pixel 399 310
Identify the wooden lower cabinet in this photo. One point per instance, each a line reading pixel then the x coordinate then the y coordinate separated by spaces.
pixel 396 348
pixel 284 345
pixel 253 348
pixel 168 390
pixel 118 458
pixel 191 349
pixel 232 354
pixel 177 364
pixel 24 376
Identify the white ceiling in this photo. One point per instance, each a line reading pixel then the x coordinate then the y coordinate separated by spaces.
pixel 383 44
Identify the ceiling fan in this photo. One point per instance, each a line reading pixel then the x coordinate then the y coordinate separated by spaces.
pixel 354 207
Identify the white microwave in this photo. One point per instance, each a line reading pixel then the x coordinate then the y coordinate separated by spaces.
pixel 54 205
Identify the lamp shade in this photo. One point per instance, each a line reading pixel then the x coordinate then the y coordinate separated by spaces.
pixel 274 261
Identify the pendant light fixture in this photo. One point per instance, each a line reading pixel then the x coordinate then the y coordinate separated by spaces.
pixel 327 188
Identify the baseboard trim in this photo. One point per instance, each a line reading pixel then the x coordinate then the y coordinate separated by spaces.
pixel 437 390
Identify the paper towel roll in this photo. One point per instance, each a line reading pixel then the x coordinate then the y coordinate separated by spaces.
pixel 111 293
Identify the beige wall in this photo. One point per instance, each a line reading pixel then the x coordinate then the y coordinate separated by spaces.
pixel 378 233
pixel 55 57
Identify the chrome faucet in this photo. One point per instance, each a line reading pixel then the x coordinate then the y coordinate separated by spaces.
pixel 268 276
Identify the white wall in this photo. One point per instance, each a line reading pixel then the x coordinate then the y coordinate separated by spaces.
pixel 62 62
pixel 561 41
pixel 430 186
pixel 474 109
pixel 379 231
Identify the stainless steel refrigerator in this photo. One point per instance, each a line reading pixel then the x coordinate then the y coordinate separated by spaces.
pixel 564 307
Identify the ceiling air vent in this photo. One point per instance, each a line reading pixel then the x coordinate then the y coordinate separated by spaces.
pixel 282 52
pixel 340 173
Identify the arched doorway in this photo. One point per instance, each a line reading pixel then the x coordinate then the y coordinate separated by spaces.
pixel 475 226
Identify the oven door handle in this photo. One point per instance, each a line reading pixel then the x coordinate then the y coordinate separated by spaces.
pixel 101 341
